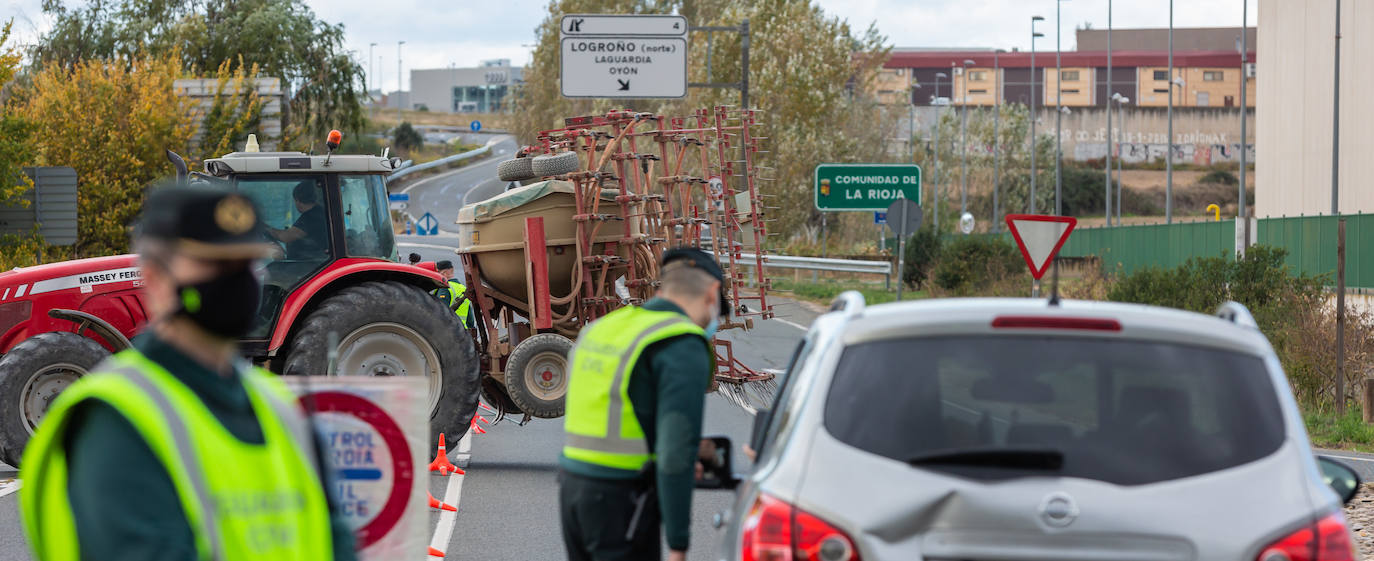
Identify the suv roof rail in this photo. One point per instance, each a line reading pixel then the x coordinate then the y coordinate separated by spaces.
pixel 850 302
pixel 1236 313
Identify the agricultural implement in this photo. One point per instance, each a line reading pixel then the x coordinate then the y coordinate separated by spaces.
pixel 609 194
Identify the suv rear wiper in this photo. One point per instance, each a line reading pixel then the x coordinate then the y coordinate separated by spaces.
pixel 1023 458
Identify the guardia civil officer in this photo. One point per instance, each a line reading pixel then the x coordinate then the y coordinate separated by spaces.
pixel 177 449
pixel 633 417
pixel 455 295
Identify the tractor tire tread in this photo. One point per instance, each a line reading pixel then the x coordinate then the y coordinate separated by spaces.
pixel 520 358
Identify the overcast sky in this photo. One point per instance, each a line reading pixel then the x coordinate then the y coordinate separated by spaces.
pixel 466 32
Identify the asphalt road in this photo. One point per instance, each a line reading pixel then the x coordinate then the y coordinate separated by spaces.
pixel 443 194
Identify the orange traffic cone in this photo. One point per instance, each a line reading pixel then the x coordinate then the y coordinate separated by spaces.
pixel 485 406
pixel 434 503
pixel 441 463
pixel 435 553
pixel 477 429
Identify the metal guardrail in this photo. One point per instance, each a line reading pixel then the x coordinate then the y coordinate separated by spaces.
pixel 821 264
pixel 441 162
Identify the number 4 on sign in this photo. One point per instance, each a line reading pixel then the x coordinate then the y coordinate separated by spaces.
pixel 1040 237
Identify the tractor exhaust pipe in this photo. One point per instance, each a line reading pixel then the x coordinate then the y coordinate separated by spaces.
pixel 180 165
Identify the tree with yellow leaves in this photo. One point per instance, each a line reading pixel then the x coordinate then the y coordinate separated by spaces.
pixel 111 120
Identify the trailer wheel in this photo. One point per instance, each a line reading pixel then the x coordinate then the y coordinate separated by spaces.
pixel 518 169
pixel 556 164
pixel 393 329
pixel 31 376
pixel 537 375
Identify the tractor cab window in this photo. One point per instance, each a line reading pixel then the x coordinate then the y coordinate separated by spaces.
pixel 366 218
pixel 294 216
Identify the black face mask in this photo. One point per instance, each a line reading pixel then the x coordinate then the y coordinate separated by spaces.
pixel 225 305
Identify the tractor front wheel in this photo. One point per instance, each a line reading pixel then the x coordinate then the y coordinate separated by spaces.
pixel 31 376
pixel 393 329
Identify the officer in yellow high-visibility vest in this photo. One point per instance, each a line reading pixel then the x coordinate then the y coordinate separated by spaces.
pixel 455 296
pixel 636 388
pixel 178 449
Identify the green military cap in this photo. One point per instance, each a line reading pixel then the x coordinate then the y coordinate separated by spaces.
pixel 693 257
pixel 204 222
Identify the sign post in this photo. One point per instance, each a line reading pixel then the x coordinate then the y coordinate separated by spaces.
pixel 623 56
pixel 908 219
pixel 865 187
pixel 374 442
pixel 1039 236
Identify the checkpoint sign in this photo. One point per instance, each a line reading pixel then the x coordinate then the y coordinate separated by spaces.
pixel 1040 236
pixel 373 438
pixel 623 56
pixel 865 186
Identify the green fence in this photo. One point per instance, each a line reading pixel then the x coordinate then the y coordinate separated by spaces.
pixel 1311 245
pixel 1128 248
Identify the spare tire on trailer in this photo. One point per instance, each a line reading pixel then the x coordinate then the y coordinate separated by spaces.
pixel 556 164
pixel 537 375
pixel 518 169
pixel 31 376
pixel 388 328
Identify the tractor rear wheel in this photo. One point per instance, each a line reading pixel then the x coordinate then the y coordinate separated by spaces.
pixel 394 329
pixel 31 376
pixel 537 375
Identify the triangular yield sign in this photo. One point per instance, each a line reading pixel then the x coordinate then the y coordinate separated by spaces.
pixel 1040 236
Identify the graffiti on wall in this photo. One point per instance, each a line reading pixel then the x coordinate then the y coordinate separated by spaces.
pixel 1141 152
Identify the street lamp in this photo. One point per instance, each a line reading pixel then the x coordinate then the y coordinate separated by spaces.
pixel 1107 176
pixel 1242 47
pixel 1121 102
pixel 398 82
pixel 911 122
pixel 936 101
pixel 1058 117
pixel 963 148
pixel 1169 153
pixel 369 71
pixel 996 136
pixel 1033 169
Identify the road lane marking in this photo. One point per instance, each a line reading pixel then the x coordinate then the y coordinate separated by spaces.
pixel 426 246
pixel 9 486
pixel 443 531
pixel 792 323
pixel 1356 458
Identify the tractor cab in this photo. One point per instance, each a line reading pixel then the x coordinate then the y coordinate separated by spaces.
pixel 320 210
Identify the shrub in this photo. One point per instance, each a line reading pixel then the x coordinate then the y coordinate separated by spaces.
pixel 921 251
pixel 971 264
pixel 1221 176
pixel 407 138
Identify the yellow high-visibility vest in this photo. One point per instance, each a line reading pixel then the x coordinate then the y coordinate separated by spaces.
pixel 599 423
pixel 243 502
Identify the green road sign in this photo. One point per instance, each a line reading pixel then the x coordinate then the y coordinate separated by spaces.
pixel 868 187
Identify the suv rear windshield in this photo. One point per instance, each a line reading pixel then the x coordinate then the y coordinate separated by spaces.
pixel 1124 412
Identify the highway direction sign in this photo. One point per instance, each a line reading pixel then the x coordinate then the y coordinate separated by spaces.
pixel 427 225
pixel 1040 236
pixel 865 186
pixel 623 56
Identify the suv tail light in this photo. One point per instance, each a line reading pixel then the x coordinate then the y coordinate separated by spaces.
pixel 1327 540
pixel 777 531
pixel 1042 322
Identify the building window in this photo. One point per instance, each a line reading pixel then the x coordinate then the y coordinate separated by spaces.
pixel 1162 75
pixel 1070 91
pixel 1069 75
pixel 978 76
pixel 1161 90
pixel 1212 76
pixel 901 72
pixel 976 92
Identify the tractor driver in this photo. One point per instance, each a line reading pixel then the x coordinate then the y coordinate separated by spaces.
pixel 309 236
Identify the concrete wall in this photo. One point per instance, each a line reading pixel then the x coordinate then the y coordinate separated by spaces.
pixel 1294 115
pixel 202 92
pixel 1201 136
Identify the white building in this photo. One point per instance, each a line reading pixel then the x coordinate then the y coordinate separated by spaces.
pixel 1293 112
pixel 484 89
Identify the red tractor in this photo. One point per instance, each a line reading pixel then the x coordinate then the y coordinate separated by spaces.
pixel 335 302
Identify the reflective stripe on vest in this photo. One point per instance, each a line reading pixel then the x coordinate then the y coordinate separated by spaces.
pixel 456 290
pixel 600 427
pixel 242 501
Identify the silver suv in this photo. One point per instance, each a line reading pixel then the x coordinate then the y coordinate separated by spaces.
pixel 974 429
